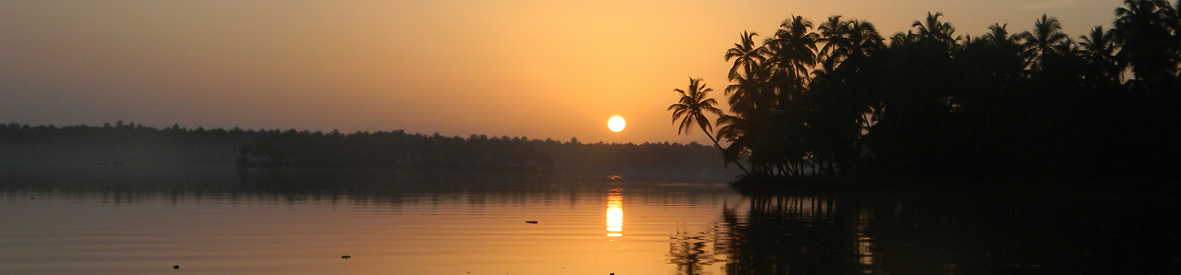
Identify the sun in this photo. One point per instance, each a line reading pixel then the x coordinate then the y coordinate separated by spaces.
pixel 616 124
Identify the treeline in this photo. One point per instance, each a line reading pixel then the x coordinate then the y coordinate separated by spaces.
pixel 395 149
pixel 121 142
pixel 124 143
pixel 837 98
pixel 401 150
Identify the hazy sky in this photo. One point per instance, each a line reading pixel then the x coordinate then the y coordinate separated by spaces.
pixel 542 69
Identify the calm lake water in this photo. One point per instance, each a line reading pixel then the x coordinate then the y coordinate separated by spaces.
pixel 144 219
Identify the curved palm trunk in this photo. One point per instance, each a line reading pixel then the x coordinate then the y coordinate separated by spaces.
pixel 711 138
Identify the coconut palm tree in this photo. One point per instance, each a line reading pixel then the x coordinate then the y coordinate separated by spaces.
pixel 1002 52
pixel 691 109
pixel 1142 30
pixel 746 55
pixel 750 94
pixel 741 135
pixel 938 30
pixel 1045 39
pixel 837 44
pixel 1099 50
pixel 845 40
pixel 865 38
pixel 998 35
pixel 792 52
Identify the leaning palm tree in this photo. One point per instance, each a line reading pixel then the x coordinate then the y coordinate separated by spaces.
pixel 692 107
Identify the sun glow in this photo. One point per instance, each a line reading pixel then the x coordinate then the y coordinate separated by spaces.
pixel 616 124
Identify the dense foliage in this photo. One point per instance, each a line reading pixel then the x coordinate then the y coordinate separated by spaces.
pixel 836 98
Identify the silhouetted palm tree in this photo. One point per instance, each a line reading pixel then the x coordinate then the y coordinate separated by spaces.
pixel 1142 30
pixel 1099 50
pixel 746 56
pixel 692 107
pixel 733 129
pixel 751 93
pixel 837 43
pixel 865 38
pixel 792 52
pixel 845 40
pixel 1046 36
pixel 938 30
pixel 998 35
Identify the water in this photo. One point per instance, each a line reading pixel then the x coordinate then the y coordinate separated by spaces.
pixel 144 219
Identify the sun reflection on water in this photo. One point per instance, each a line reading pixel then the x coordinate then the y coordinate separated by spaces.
pixel 615 213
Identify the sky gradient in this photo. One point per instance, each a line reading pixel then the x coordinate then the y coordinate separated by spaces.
pixel 541 69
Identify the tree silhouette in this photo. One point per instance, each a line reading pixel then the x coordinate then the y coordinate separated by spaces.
pixel 792 52
pixel 838 100
pixel 746 56
pixel 692 107
pixel 1099 50
pixel 1045 40
pixel 1142 30
pixel 932 27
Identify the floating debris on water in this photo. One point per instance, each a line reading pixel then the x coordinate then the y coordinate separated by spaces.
pixel 531 222
pixel 346 257
pixel 176 267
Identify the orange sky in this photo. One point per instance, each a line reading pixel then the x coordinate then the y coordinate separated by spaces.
pixel 541 69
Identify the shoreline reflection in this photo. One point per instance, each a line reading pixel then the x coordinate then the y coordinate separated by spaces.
pixel 868 234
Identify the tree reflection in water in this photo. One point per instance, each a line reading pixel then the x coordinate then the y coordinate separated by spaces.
pixel 867 234
pixel 690 252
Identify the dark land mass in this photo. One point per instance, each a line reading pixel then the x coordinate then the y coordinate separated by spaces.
pixel 836 99
pixel 121 145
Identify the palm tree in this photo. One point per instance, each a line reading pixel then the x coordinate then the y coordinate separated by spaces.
pixel 735 129
pixel 749 94
pixel 1045 39
pixel 692 107
pixel 844 40
pixel 1142 30
pixel 1002 51
pixel 865 39
pixel 837 43
pixel 792 52
pixel 746 55
pixel 1099 50
pixel 998 35
pixel 933 28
